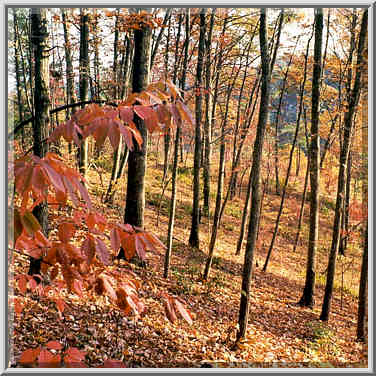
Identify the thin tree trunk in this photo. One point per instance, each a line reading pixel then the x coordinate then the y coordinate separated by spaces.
pixel 346 206
pixel 307 298
pixel 353 100
pixel 221 175
pixel 194 235
pixel 208 119
pixel 171 220
pixel 275 233
pixel 362 302
pixel 84 82
pixel 255 176
pixel 244 218
pixel 18 78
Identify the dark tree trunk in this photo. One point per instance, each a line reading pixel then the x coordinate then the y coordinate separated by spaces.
pixel 135 201
pixel 255 176
pixel 39 40
pixel 84 82
pixel 346 206
pixel 194 235
pixel 353 100
pixel 307 298
pixel 362 303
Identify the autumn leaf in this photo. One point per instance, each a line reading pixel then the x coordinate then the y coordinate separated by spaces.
pixel 29 356
pixel 102 252
pixel 54 345
pixel 66 232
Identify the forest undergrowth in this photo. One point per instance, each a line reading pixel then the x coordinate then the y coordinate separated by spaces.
pixel 280 333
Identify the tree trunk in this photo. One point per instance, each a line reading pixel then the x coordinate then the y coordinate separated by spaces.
pixel 362 303
pixel 307 298
pixel 17 69
pixel 275 233
pixel 171 220
pixel 255 176
pixel 353 100
pixel 208 119
pixel 194 235
pixel 39 40
pixel 135 201
pixel 84 82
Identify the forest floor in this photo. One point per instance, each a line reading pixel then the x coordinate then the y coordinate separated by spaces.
pixel 280 334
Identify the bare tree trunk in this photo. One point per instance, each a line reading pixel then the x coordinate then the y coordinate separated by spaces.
pixel 354 97
pixel 307 298
pixel 255 175
pixel 194 235
pixel 171 220
pixel 18 78
pixel 39 40
pixel 208 119
pixel 135 201
pixel 84 82
pixel 275 233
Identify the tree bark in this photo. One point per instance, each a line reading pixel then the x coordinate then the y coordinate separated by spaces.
pixel 39 40
pixel 354 97
pixel 171 220
pixel 194 235
pixel 208 118
pixel 84 82
pixel 307 298
pixel 135 201
pixel 255 175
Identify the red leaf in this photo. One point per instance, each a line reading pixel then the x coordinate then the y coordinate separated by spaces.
pixel 77 287
pixel 60 304
pixel 88 249
pixel 54 345
pixel 22 284
pixel 111 363
pixel 102 252
pixel 108 287
pixel 54 177
pixel 144 112
pixel 32 284
pixel 169 309
pixel 18 307
pixel 126 114
pixel 74 355
pixel 184 313
pixel 29 356
pixel 66 232
pixel 139 247
pixel 47 359
pixel 115 239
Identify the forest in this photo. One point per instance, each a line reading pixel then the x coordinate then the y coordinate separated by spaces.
pixel 187 187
